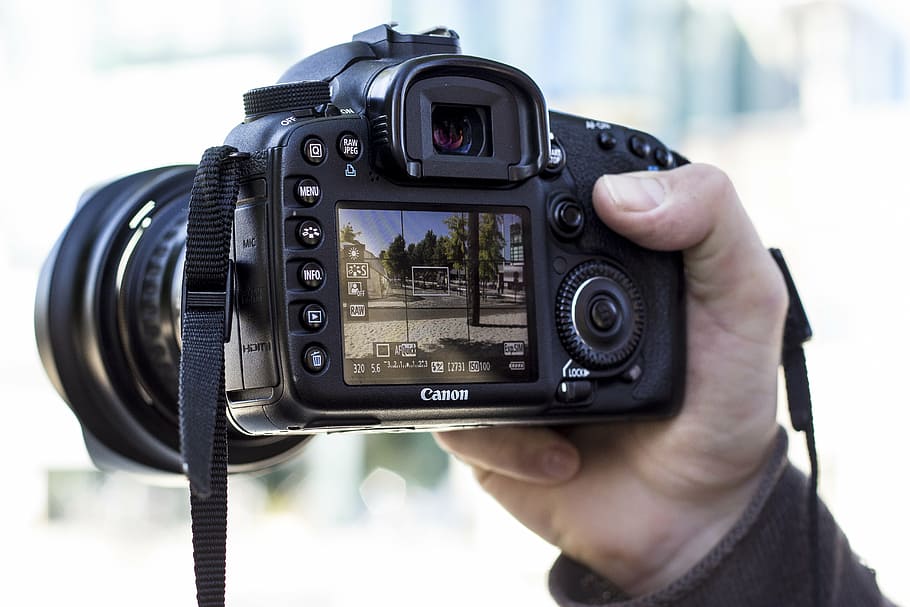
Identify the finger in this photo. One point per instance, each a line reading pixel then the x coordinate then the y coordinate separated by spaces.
pixel 696 209
pixel 535 455
pixel 536 506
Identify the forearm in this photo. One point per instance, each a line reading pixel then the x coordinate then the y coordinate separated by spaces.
pixel 762 561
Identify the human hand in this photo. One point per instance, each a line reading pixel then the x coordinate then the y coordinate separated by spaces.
pixel 641 503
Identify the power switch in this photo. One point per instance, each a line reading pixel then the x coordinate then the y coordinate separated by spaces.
pixel 572 392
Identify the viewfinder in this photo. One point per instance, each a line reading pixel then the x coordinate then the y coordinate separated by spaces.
pixel 460 130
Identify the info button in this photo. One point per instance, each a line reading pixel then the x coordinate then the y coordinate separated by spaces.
pixel 308 191
pixel 311 275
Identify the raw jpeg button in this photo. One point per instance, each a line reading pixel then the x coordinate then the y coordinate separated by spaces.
pixel 308 191
pixel 349 146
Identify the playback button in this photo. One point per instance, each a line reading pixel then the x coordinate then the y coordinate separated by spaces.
pixel 312 317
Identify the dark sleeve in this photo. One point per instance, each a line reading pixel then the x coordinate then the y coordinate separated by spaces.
pixel 762 561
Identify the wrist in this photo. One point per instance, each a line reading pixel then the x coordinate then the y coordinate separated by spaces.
pixel 699 528
pixel 681 533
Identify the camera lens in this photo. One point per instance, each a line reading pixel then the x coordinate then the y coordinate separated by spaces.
pixel 457 130
pixel 107 322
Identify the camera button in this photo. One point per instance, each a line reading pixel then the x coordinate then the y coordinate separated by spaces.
pixel 556 160
pixel 349 146
pixel 312 317
pixel 606 140
pixel 311 275
pixel 308 191
pixel 574 391
pixel 314 150
pixel 567 218
pixel 605 314
pixel 315 359
pixel 639 146
pixel 309 233
pixel 664 158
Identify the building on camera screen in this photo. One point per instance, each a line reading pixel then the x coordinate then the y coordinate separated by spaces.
pixel 434 296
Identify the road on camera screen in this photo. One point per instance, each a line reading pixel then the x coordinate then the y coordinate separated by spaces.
pixel 435 296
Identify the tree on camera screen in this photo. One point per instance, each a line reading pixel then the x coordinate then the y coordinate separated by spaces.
pixel 434 296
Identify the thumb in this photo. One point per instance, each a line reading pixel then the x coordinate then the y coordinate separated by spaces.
pixel 696 209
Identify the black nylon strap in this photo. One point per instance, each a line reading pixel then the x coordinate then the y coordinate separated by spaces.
pixel 797 331
pixel 204 324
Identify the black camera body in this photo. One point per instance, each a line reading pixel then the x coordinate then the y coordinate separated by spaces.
pixel 414 248
pixel 349 330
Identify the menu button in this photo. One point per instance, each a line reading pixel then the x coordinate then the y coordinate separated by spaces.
pixel 308 191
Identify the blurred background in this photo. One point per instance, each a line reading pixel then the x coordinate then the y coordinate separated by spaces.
pixel 805 104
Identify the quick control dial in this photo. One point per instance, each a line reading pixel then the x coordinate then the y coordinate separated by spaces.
pixel 599 315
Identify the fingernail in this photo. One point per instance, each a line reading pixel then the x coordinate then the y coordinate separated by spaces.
pixel 634 194
pixel 558 465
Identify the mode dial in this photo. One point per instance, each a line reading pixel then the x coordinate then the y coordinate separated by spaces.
pixel 599 315
pixel 283 97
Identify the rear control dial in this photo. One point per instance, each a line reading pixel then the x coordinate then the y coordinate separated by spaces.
pixel 599 315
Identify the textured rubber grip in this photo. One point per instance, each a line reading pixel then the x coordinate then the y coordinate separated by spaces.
pixel 290 96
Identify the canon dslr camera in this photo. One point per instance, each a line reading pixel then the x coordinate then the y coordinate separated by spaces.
pixel 415 248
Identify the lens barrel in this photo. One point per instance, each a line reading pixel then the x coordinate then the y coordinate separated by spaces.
pixel 107 321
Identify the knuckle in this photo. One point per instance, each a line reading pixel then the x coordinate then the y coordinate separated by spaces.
pixel 708 186
pixel 714 181
pixel 773 299
pixel 482 476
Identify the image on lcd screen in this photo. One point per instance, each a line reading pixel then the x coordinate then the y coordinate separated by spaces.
pixel 434 296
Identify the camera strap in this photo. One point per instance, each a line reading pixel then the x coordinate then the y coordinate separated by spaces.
pixel 205 322
pixel 205 325
pixel 797 331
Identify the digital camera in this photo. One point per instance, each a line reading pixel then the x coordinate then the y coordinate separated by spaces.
pixel 415 248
